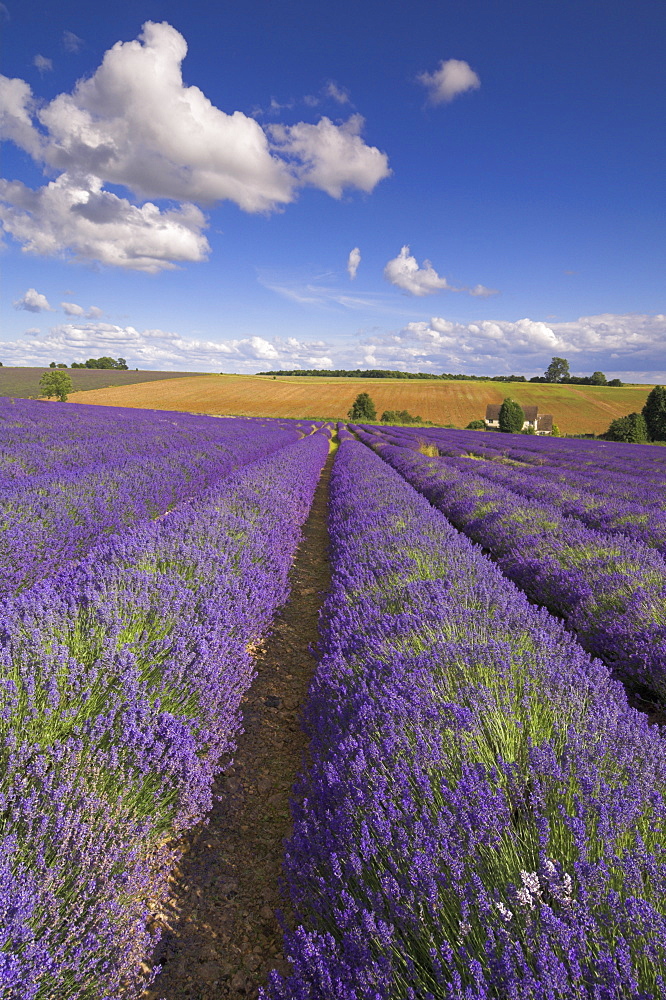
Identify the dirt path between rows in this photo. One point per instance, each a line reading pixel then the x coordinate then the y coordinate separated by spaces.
pixel 221 937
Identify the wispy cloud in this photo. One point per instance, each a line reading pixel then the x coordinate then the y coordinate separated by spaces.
pixel 43 64
pixel 353 262
pixel 338 94
pixel 71 42
pixel 481 292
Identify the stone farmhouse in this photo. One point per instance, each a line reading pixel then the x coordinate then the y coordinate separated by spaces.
pixel 541 422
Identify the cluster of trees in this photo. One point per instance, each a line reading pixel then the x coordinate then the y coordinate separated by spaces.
pixel 388 373
pixel 640 428
pixel 364 409
pixel 558 371
pixel 104 362
pixel 400 417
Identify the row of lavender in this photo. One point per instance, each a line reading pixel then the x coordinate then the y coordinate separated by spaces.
pixel 483 813
pixel 609 589
pixel 63 440
pixel 573 453
pixel 81 475
pixel 121 677
pixel 631 503
pixel 598 479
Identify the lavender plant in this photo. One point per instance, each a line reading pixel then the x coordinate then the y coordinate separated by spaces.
pixel 121 677
pixel 482 813
pixel 122 470
pixel 609 590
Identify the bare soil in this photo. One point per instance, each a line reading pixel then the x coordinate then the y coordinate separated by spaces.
pixel 221 937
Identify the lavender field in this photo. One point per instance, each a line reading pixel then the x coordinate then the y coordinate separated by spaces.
pixel 481 812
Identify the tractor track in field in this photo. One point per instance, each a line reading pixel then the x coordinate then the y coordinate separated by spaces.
pixel 220 936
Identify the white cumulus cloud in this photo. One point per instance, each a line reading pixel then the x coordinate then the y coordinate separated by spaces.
pixel 332 157
pixel 73 309
pixel 75 217
pixel 404 272
pixel 135 123
pixel 631 347
pixel 17 106
pixel 525 346
pixel 33 301
pixel 353 262
pixel 163 349
pixel 453 77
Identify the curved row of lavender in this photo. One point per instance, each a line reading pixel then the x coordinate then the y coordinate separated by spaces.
pixel 46 439
pixel 611 591
pixel 121 679
pixel 106 473
pixel 597 454
pixel 638 471
pixel 638 514
pixel 482 816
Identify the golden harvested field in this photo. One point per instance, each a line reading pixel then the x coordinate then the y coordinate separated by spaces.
pixel 575 409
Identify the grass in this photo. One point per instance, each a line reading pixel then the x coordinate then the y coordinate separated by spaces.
pixel 575 409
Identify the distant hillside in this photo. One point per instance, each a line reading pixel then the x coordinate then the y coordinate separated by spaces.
pixel 576 409
pixel 24 382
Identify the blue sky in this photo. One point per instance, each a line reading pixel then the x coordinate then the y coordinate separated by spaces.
pixel 435 186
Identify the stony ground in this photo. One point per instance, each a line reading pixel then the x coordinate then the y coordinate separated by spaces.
pixel 221 937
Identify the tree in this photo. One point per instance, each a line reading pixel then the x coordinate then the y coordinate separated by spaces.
pixel 597 378
pixel 61 364
pixel 654 413
pixel 631 429
pixel 362 409
pixel 555 431
pixel 56 383
pixel 511 417
pixel 557 370
pixel 476 425
pixel 399 417
pixel 615 383
pixel 52 365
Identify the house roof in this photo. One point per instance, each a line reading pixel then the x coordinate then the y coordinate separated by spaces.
pixel 492 412
pixel 544 422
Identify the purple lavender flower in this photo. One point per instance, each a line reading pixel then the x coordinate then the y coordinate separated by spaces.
pixel 121 676
pixel 481 812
